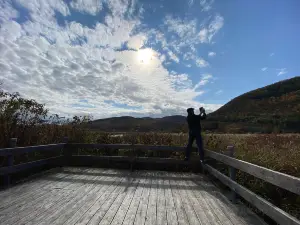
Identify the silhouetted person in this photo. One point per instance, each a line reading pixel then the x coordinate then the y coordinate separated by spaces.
pixel 195 132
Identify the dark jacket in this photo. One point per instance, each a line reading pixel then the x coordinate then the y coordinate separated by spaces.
pixel 194 121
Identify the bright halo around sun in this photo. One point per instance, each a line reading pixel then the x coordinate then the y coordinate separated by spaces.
pixel 145 55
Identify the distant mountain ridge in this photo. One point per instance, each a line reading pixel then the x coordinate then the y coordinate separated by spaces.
pixel 273 108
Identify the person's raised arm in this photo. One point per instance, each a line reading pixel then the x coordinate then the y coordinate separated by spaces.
pixel 202 114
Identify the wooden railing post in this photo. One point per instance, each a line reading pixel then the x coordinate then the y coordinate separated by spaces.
pixel 10 161
pixel 232 172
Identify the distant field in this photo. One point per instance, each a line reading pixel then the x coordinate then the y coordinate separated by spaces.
pixel 279 152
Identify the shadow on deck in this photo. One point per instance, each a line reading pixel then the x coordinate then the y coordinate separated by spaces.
pixel 73 195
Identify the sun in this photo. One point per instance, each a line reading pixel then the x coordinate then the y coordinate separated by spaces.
pixel 145 55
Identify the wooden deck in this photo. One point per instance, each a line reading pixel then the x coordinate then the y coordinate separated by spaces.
pixel 109 196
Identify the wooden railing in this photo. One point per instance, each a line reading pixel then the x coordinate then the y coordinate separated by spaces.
pixel 68 154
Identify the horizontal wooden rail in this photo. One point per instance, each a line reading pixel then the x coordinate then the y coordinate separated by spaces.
pixel 29 165
pixel 9 167
pixel 282 180
pixel 22 150
pixel 87 158
pixel 263 205
pixel 128 146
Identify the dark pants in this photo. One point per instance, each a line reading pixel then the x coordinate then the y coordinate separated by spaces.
pixel 192 136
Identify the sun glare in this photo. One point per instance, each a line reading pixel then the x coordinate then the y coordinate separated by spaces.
pixel 145 55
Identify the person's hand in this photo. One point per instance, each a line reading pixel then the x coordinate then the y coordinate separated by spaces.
pixel 202 109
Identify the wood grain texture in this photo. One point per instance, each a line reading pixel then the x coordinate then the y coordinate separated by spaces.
pixel 25 166
pixel 22 150
pixel 109 196
pixel 266 207
pixel 282 180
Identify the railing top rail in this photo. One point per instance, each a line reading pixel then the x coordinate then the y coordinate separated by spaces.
pixel 129 146
pixel 282 180
pixel 21 150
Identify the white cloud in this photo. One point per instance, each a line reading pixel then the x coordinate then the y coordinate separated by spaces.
pixel 219 92
pixel 43 61
pixel 87 6
pixel 173 56
pixel 213 28
pixel 212 54
pixel 189 56
pixel 272 54
pixel 205 78
pixel 206 5
pixel 203 35
pixel 201 63
pixel 206 34
pixel 41 10
pixel 7 12
pixel 264 68
pixel 136 41
pixel 182 28
pixel 282 71
pixel 10 30
pixel 191 2
pixel 186 34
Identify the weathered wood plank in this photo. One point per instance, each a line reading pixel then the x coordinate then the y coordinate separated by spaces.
pixel 22 194
pixel 52 211
pixel 140 217
pixel 114 208
pixel 35 180
pixel 203 197
pixel 282 180
pixel 22 189
pixel 200 207
pixel 189 208
pixel 86 218
pixel 18 206
pixel 30 210
pixel 170 205
pixel 182 216
pixel 206 201
pixel 93 198
pixel 70 211
pixel 266 207
pixel 70 205
pixel 222 212
pixel 24 166
pixel 244 213
pixel 37 216
pixel 22 150
pixel 101 212
pixel 161 201
pixel 124 207
pixel 134 205
pixel 151 209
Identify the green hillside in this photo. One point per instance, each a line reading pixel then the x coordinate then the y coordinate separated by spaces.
pixel 274 107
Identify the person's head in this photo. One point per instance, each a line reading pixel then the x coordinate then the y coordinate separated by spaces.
pixel 190 111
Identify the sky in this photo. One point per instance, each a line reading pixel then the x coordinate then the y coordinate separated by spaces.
pixel 145 58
